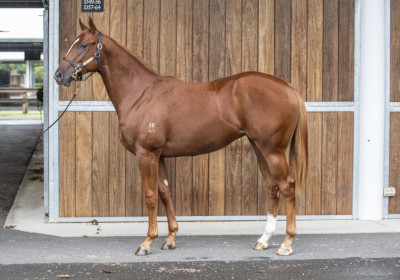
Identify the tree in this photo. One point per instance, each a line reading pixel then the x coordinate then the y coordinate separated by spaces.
pixel 39 72
pixel 14 68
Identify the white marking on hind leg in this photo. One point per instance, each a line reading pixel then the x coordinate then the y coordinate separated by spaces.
pixel 269 230
pixel 165 182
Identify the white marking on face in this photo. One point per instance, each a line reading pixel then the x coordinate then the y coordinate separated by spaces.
pixel 152 127
pixel 269 230
pixel 165 182
pixel 76 41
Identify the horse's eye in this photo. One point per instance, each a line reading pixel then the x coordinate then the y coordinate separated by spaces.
pixel 84 45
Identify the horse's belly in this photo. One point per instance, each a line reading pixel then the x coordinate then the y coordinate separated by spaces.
pixel 191 142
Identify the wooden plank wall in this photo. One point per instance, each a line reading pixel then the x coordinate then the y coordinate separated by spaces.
pixel 394 178
pixel 307 43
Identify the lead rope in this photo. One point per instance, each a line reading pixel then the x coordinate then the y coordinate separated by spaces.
pixel 69 103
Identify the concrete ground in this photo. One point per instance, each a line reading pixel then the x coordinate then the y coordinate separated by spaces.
pixel 34 249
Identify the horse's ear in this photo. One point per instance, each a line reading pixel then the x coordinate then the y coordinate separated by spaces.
pixel 83 26
pixel 92 27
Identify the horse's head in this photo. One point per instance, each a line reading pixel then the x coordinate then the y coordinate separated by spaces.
pixel 82 57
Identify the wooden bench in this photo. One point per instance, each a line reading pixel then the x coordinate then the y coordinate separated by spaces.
pixel 22 94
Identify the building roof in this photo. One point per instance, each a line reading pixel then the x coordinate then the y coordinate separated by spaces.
pixel 21 45
pixel 23 4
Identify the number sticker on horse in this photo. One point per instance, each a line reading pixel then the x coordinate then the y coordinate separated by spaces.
pixel 152 127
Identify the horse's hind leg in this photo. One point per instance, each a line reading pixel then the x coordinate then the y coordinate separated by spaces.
pixel 262 242
pixel 165 195
pixel 278 167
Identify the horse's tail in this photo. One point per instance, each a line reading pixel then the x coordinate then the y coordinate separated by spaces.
pixel 298 156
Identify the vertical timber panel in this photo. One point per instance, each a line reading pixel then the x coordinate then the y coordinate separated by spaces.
pixel 83 164
pixel 168 38
pixel 101 140
pixel 394 174
pixel 331 51
pixel 102 21
pixel 151 29
pixel 217 70
pixel 266 36
pixel 133 187
pixel 184 165
pixel 282 39
pixel 134 42
pixel 329 163
pixel 330 120
pixel 299 71
pixel 200 74
pixel 344 193
pixel 299 47
pixel 346 50
pixel 314 94
pixel 266 54
pixel 394 164
pixel 116 179
pixel 314 50
pixel 67 165
pixel 134 22
pixel 233 154
pixel 67 36
pixel 314 178
pixel 395 51
pixel 86 89
pixel 249 63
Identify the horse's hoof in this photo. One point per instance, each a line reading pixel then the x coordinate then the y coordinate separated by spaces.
pixel 284 251
pixel 260 246
pixel 141 251
pixel 168 245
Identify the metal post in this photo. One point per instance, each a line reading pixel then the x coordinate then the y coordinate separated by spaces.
pixel 53 113
pixel 46 106
pixel 372 110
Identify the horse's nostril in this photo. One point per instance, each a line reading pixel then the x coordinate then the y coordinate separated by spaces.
pixel 59 76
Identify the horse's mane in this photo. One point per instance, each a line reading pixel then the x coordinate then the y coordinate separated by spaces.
pixel 136 56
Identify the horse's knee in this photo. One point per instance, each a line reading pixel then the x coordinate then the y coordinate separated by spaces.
pixel 151 200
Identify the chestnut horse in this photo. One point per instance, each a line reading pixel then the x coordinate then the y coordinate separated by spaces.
pixel 161 116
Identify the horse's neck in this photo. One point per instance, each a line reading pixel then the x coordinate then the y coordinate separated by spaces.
pixel 124 76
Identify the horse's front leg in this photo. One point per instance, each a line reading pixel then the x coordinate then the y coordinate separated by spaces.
pixel 148 166
pixel 165 195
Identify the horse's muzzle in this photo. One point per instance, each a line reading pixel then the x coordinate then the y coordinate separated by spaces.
pixel 60 78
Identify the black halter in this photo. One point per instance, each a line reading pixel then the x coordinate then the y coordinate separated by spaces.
pixel 77 76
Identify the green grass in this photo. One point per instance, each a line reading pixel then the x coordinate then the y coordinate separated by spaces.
pixel 18 115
